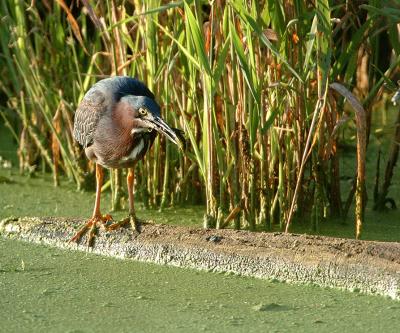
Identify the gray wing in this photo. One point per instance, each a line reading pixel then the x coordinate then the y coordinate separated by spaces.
pixel 87 116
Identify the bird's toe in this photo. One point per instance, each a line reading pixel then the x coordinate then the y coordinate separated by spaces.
pixel 131 220
pixel 135 223
pixel 91 227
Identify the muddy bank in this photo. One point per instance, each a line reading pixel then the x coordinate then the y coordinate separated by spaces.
pixel 364 266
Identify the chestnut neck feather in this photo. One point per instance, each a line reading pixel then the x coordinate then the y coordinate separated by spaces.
pixel 114 139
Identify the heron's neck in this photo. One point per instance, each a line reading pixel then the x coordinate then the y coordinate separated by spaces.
pixel 122 122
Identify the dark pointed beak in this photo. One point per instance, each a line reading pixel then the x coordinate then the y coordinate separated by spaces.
pixel 162 127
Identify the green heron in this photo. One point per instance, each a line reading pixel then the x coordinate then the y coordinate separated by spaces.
pixel 116 123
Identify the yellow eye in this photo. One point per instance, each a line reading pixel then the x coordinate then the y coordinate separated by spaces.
pixel 142 112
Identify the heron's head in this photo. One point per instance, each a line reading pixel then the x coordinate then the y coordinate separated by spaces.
pixel 146 117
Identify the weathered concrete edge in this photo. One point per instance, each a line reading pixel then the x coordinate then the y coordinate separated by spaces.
pixel 335 274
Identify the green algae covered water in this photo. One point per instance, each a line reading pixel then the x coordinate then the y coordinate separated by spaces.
pixel 50 290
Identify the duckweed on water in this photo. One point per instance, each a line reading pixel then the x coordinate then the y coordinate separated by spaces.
pixel 36 196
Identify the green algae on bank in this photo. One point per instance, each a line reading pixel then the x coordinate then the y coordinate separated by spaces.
pixel 47 289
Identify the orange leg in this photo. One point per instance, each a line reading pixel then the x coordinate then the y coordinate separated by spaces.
pixel 132 219
pixel 129 181
pixel 96 218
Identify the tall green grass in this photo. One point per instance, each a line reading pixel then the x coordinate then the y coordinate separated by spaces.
pixel 253 84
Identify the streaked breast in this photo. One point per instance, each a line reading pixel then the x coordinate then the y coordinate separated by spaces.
pixel 135 152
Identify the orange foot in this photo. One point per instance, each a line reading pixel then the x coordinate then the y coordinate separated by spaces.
pixel 131 220
pixel 91 226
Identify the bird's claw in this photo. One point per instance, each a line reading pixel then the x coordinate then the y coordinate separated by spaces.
pixel 136 224
pixel 133 221
pixel 91 227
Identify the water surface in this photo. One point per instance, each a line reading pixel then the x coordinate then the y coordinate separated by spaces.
pixel 47 289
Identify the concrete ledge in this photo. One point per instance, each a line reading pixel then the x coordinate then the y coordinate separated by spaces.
pixel 363 266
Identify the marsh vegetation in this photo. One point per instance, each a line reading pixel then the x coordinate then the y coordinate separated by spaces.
pixel 271 94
